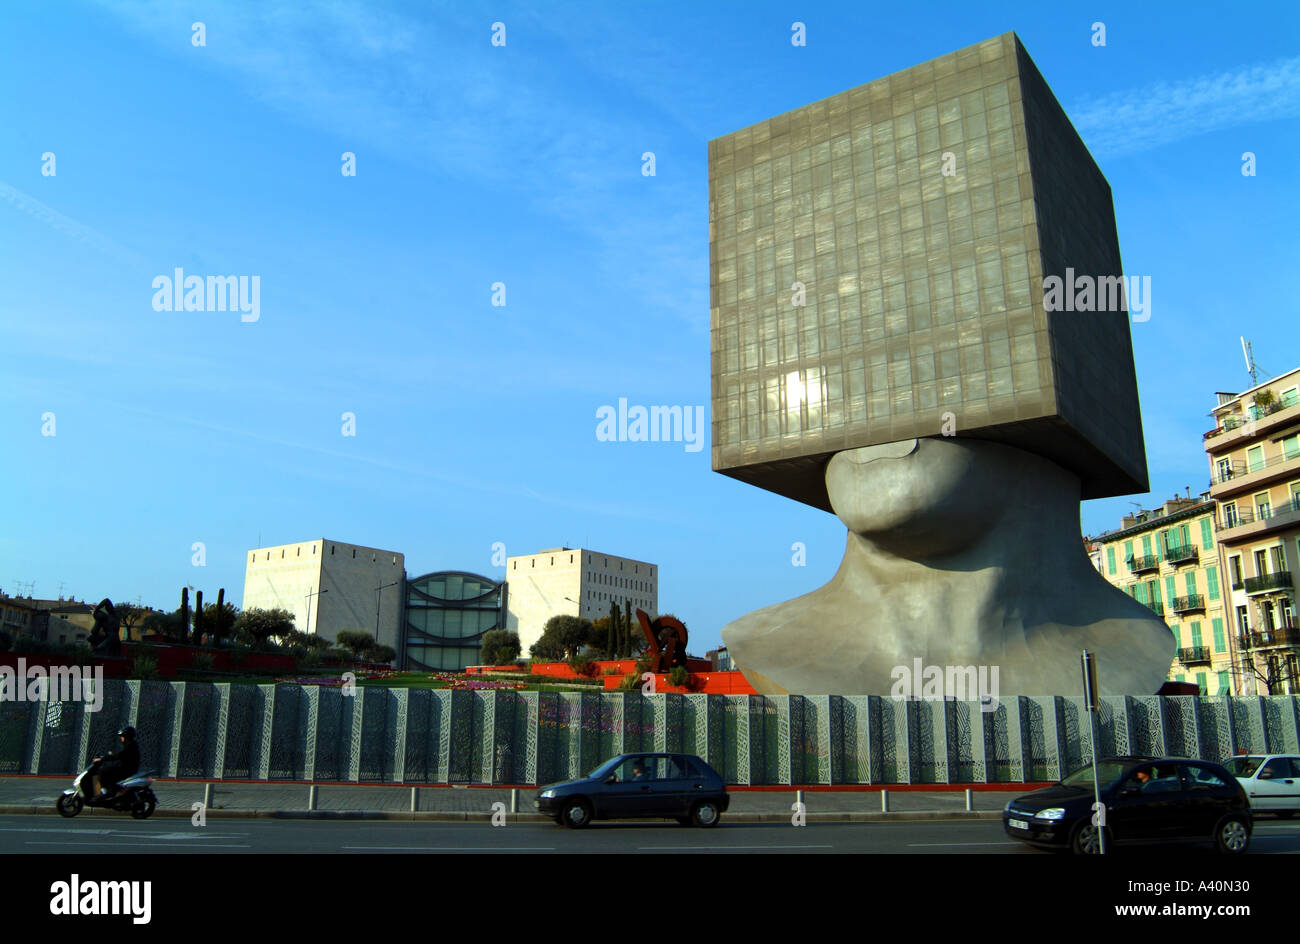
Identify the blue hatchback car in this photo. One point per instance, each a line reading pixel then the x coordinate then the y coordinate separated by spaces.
pixel 665 786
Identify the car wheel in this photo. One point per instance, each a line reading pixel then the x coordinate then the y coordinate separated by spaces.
pixel 1085 839
pixel 69 805
pixel 577 814
pixel 1232 837
pixel 705 813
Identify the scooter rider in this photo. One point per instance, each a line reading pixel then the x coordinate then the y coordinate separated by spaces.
pixel 116 767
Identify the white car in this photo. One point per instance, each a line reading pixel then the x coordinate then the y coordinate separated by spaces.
pixel 1271 781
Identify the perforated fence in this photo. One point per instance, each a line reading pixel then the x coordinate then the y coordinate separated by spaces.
pixel 396 735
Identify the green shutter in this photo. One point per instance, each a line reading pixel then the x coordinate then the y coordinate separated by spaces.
pixel 1224 684
pixel 1190 579
pixel 1128 551
pixel 1177 642
pixel 1146 545
pixel 1200 680
pixel 1171 589
pixel 1140 592
pixel 1110 559
pixel 1196 635
pixel 1212 582
pixel 1220 643
pixel 1207 534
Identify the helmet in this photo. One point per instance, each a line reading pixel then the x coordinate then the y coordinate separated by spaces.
pixel 127 733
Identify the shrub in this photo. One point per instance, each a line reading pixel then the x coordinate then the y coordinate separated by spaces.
pixel 610 670
pixel 238 656
pixel 143 667
pixel 581 665
pixel 679 676
pixel 204 661
pixel 631 683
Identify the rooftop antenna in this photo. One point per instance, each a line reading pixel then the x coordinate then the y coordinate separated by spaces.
pixel 1250 362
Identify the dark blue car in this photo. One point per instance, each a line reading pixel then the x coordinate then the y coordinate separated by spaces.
pixel 667 786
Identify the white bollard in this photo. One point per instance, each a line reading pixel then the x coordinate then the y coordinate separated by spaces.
pixel 311 797
pixel 884 801
pixel 970 800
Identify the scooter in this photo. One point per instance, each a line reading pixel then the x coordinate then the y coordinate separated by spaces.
pixel 133 795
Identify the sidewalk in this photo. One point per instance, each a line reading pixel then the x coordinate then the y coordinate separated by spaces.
pixel 22 794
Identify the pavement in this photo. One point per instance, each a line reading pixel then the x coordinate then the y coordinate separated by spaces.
pixel 293 800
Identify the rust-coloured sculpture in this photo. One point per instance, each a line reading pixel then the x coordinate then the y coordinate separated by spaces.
pixel 666 637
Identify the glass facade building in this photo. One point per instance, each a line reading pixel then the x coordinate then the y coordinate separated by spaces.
pixel 877 264
pixel 446 615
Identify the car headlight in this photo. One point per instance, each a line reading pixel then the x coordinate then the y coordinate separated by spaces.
pixel 547 794
pixel 1055 812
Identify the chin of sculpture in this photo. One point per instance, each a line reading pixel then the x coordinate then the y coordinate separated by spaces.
pixel 960 552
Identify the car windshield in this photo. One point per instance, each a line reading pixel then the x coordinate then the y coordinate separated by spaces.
pixel 606 768
pixel 1110 772
pixel 1243 766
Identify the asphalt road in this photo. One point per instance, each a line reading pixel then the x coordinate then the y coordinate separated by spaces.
pixel 46 835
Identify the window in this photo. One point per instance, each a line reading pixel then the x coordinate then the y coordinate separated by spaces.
pixel 1190 582
pixel 1207 534
pixel 1224 683
pixel 1110 560
pixel 1243 619
pixel 1234 568
pixel 1196 635
pixel 1212 582
pixel 1263 509
pixel 1291 446
pixel 1220 641
pixel 1223 469
pixel 1254 458
pixel 1202 778
pixel 1171 588
pixel 1290 396
pixel 1230 519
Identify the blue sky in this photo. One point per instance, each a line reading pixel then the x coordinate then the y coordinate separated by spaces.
pixel 519 164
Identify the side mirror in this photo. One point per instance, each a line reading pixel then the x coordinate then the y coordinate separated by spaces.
pixel 612 778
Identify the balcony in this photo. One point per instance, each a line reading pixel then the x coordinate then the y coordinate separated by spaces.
pixel 1282 636
pixel 1280 580
pixel 1187 554
pixel 1188 603
pixel 1194 654
pixel 1237 428
pixel 1247 524
pixel 1138 565
pixel 1155 607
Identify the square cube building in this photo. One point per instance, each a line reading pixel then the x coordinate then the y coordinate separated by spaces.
pixel 922 292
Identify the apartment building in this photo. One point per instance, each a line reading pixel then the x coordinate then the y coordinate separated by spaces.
pixel 1254 457
pixel 1167 559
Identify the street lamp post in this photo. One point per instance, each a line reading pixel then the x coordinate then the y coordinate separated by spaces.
pixel 379 596
pixel 310 594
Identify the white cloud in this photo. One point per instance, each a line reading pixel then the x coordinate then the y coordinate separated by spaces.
pixel 1140 119
pixel 25 203
pixel 434 94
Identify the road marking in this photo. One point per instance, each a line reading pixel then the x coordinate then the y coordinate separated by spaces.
pixel 921 844
pixel 114 845
pixel 712 848
pixel 450 848
pixel 55 829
